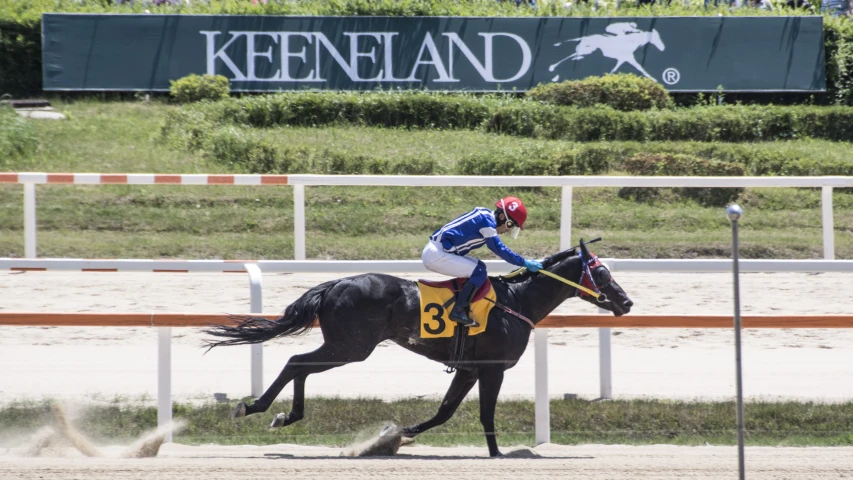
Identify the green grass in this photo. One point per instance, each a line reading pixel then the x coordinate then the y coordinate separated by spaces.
pixel 364 222
pixel 337 422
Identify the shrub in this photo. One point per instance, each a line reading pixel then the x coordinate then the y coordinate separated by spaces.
pixel 194 88
pixel 17 137
pixel 620 91
pixel 682 165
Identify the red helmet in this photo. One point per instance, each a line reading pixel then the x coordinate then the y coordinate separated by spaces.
pixel 514 209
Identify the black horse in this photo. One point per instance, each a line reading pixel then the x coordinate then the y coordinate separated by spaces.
pixel 357 313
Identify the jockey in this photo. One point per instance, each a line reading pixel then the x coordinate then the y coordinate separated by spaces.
pixel 446 252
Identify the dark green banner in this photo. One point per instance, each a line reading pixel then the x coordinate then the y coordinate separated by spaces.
pixel 144 52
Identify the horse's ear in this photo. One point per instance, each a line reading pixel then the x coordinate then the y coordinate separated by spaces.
pixel 585 252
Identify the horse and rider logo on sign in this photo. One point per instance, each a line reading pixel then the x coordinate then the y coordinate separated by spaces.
pixel 620 42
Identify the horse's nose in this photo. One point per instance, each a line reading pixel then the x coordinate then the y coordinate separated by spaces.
pixel 628 304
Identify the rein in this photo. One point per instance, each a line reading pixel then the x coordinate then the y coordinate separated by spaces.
pixel 598 296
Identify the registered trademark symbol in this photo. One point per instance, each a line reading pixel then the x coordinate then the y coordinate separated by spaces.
pixel 671 76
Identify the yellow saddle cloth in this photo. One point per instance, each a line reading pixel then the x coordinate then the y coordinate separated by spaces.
pixel 435 320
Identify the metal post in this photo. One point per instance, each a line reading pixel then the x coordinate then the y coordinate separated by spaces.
pixel 30 220
pixel 542 408
pixel 605 357
pixel 828 224
pixel 164 379
pixel 299 222
pixel 257 349
pixel 566 218
pixel 734 213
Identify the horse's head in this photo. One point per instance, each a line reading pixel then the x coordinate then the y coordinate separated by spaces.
pixel 596 277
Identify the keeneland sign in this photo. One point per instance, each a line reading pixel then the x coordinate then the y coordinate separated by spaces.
pixel 259 53
pixel 314 48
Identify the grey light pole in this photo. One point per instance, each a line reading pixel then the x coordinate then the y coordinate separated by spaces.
pixel 734 213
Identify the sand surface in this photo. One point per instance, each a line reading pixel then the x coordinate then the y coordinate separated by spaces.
pixel 211 462
pixel 93 365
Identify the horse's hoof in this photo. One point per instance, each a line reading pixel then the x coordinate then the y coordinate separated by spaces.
pixel 390 429
pixel 239 410
pixel 280 420
pixel 407 441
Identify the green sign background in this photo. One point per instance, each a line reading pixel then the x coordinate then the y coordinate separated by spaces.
pixel 145 52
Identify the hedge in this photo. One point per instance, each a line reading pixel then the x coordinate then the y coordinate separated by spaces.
pixel 526 118
pixel 245 149
pixel 391 109
pixel 256 151
pixel 20 27
pixel 708 124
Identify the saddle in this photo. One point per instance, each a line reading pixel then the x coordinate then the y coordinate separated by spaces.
pixel 455 285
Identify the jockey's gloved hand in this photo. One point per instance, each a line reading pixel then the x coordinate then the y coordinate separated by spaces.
pixel 532 265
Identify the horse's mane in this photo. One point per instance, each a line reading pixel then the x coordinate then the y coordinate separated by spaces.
pixel 547 263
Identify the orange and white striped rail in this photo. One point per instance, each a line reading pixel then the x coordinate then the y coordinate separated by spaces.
pixel 418 180
pixel 141 179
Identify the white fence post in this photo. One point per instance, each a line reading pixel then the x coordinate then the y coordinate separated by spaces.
pixel 604 362
pixel 566 218
pixel 30 220
pixel 605 368
pixel 828 223
pixel 540 335
pixel 257 306
pixel 543 408
pixel 299 222
pixel 164 379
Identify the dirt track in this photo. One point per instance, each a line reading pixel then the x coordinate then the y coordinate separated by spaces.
pixel 424 463
pixel 787 359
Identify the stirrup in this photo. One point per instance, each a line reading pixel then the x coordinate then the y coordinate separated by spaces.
pixel 464 321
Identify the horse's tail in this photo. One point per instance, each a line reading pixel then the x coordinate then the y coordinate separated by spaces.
pixel 298 317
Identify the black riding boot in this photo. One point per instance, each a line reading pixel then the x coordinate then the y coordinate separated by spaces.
pixel 459 314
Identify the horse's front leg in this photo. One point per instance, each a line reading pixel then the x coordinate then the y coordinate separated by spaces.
pixel 491 379
pixel 462 383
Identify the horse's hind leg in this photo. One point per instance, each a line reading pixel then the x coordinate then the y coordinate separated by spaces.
pixel 462 383
pixel 298 368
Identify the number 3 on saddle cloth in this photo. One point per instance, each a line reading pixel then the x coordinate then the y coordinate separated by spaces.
pixel 437 301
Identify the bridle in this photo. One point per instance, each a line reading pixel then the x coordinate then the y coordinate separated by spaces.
pixel 587 267
pixel 587 277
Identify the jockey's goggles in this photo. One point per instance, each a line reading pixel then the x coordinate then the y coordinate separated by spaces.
pixel 514 229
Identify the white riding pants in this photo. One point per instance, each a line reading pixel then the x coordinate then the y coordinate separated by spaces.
pixel 439 261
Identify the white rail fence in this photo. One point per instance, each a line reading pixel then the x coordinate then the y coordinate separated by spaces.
pixel 299 182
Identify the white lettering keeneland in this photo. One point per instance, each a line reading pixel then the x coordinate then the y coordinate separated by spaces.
pixel 367 52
